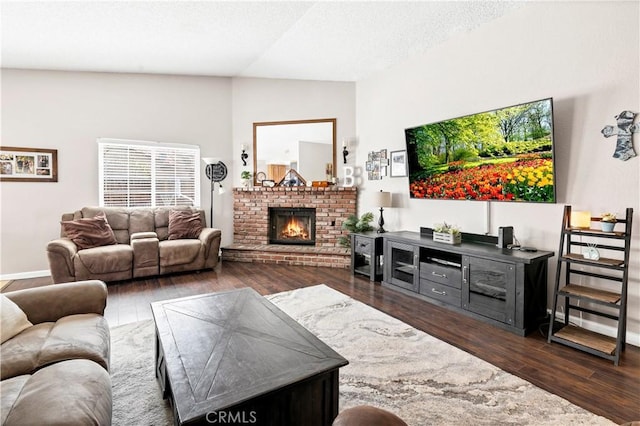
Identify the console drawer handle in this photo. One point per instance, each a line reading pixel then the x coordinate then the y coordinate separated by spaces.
pixel 441 293
pixel 439 275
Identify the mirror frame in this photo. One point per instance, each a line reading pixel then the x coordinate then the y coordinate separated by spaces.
pixel 276 123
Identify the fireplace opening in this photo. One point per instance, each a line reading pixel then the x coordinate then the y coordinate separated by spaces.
pixel 292 225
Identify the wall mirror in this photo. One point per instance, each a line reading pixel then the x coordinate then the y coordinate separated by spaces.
pixel 307 146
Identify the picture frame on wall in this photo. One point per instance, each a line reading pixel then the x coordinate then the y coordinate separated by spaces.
pixel 28 164
pixel 398 162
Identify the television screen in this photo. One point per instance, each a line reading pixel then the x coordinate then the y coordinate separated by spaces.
pixel 505 154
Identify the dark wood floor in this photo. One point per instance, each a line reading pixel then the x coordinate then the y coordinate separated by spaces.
pixel 588 381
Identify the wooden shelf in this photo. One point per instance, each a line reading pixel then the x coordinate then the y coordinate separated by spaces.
pixel 590 339
pixel 601 302
pixel 599 262
pixel 591 293
pixel 594 232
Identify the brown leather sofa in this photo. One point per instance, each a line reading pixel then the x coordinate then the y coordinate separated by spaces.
pixel 56 371
pixel 143 247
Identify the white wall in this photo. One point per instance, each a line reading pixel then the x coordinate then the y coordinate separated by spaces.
pixel 67 111
pixel 584 55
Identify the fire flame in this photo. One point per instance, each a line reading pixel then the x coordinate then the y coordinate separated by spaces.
pixel 294 229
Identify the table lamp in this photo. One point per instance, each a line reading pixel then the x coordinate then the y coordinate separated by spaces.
pixel 382 199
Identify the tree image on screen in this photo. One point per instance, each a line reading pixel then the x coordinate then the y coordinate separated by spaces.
pixel 505 155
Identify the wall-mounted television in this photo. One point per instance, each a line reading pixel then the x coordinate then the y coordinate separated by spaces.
pixel 506 154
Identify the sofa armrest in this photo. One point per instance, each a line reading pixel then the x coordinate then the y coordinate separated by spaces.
pixel 142 235
pixel 146 254
pixel 207 237
pixel 51 302
pixel 60 253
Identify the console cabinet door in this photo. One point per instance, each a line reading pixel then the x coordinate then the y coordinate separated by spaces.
pixel 489 288
pixel 401 265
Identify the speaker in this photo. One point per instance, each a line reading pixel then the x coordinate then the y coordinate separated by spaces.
pixel 505 236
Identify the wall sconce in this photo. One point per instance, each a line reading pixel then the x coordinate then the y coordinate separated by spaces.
pixel 580 220
pixel 244 154
pixel 345 152
pixel 382 199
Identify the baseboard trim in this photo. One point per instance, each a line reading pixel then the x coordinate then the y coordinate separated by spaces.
pixel 23 275
pixel 607 330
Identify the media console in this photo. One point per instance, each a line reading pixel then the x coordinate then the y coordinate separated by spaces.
pixel 506 288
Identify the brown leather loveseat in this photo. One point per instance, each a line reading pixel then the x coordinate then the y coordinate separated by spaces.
pixel 114 244
pixel 55 356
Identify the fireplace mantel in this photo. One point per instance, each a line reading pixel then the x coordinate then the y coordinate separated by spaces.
pixel 333 206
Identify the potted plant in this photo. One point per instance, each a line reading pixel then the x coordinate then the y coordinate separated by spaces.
pixel 608 221
pixel 353 224
pixel 246 178
pixel 446 233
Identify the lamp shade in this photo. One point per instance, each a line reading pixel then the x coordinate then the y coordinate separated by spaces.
pixel 580 219
pixel 211 160
pixel 382 199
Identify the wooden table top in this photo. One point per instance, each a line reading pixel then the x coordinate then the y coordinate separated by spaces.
pixel 225 348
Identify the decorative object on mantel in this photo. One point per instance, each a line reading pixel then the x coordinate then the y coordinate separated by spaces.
pixel 268 183
pixel 246 178
pixel 260 178
pixel 608 221
pixel 591 252
pixel 353 224
pixel 382 199
pixel 292 178
pixel 626 128
pixel 28 164
pixel 348 178
pixel 244 154
pixel 329 171
pixel 445 233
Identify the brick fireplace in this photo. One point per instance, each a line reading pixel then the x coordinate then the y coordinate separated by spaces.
pixel 251 226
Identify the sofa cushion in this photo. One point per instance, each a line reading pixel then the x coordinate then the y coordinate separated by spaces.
pixel 118 218
pixel 12 319
pixel 9 391
pixel 20 354
pixel 184 224
pixel 141 220
pixel 89 232
pixel 107 259
pixel 75 392
pixel 72 337
pixel 178 252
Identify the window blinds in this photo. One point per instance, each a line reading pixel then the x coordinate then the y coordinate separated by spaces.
pixel 148 174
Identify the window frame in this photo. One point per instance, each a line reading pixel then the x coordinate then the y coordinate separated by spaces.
pixel 154 149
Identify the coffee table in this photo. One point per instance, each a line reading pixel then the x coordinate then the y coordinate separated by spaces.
pixel 234 358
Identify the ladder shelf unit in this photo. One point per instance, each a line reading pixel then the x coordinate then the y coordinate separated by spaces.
pixel 588 297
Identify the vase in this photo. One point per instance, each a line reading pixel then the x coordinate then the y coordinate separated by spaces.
pixel 607 226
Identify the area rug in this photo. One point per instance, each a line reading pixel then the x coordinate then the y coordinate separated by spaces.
pixel 391 365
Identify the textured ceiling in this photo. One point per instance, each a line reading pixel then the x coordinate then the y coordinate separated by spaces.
pixel 312 40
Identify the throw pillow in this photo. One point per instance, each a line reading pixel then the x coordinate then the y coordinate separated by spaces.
pixel 184 224
pixel 89 232
pixel 12 319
